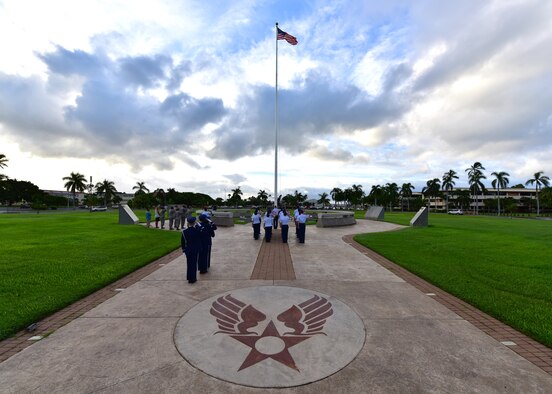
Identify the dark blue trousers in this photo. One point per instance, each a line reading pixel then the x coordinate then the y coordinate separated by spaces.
pixel 301 232
pixel 191 265
pixel 285 230
pixel 204 261
pixel 268 233
pixel 256 230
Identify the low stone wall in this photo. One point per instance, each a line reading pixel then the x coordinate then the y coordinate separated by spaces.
pixel 238 213
pixel 223 219
pixel 244 214
pixel 333 219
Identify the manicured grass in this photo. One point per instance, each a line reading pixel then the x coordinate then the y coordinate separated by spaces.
pixel 48 261
pixel 501 266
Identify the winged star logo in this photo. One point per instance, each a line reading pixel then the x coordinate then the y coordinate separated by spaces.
pixel 238 320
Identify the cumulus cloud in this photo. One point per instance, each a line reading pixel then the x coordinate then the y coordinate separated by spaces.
pixel 398 89
pixel 484 95
pixel 235 178
pixel 314 108
pixel 338 154
pixel 115 114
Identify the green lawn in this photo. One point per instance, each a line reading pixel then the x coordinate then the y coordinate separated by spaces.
pixel 502 266
pixel 48 261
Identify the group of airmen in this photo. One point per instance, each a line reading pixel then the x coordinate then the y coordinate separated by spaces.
pixel 275 215
pixel 177 217
pixel 196 242
pixel 197 233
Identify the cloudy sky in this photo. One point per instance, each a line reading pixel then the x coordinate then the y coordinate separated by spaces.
pixel 182 93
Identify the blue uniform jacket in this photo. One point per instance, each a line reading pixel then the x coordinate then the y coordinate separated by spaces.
pixel 207 232
pixel 191 240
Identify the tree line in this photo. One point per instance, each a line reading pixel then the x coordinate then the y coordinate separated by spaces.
pixel 390 195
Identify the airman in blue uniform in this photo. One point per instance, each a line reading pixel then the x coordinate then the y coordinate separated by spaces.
pixel 302 221
pixel 284 223
pixel 207 229
pixel 268 225
pixel 191 246
pixel 256 220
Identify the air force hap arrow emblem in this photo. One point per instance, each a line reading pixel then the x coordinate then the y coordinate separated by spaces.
pixel 237 319
pixel 270 336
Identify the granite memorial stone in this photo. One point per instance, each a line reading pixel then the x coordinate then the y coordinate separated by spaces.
pixel 375 212
pixel 126 215
pixel 421 219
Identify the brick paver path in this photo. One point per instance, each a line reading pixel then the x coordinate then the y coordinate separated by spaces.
pixel 274 260
pixel 533 351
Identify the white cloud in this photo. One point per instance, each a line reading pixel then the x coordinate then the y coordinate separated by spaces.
pixel 374 92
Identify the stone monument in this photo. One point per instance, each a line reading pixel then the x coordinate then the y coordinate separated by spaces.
pixel 421 218
pixel 375 212
pixel 223 219
pixel 126 215
pixel 333 219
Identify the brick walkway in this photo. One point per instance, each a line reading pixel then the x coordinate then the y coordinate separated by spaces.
pixel 533 351
pixel 21 340
pixel 274 260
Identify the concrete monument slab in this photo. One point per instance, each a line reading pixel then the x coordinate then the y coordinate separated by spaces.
pixel 334 219
pixel 375 212
pixel 421 219
pixel 127 215
pixel 223 219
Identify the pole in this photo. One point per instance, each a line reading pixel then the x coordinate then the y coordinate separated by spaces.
pixel 277 125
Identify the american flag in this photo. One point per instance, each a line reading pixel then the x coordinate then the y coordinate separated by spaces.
pixel 282 35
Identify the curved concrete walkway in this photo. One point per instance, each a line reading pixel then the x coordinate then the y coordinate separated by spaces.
pixel 412 343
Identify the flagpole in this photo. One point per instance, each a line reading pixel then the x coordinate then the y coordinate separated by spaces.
pixel 277 125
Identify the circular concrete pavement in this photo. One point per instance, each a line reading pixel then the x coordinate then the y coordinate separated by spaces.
pixel 270 336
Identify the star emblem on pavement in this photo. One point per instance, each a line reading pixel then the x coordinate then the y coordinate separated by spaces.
pixel 271 332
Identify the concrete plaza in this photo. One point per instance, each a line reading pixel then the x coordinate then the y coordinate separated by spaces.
pixel 158 334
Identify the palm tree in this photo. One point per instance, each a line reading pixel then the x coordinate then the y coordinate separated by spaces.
pixel 376 192
pixel 538 180
pixel 324 200
pixel 448 184
pixel 262 195
pixel 299 197
pixel 159 195
pixel 432 190
pixel 477 187
pixel 336 194
pixel 107 188
pixel 391 191
pixel 356 194
pixel 75 182
pixel 140 188
pixel 406 192
pixel 3 160
pixel 501 181
pixel 171 196
pixel 236 195
pixel 347 197
pixel 475 174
